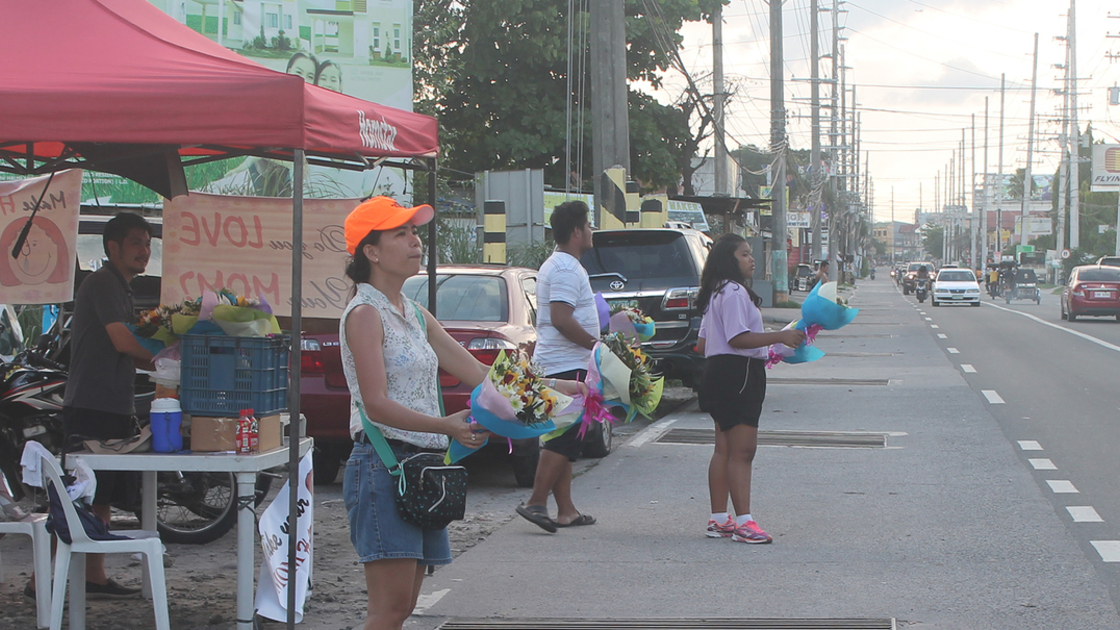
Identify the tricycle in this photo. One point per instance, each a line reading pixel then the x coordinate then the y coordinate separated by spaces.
pixel 1024 286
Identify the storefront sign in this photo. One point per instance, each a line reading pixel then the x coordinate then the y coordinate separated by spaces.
pixel 43 270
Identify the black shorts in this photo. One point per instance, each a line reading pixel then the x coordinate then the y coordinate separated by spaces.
pixel 120 488
pixel 733 389
pixel 569 444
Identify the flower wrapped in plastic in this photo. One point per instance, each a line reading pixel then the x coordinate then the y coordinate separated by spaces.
pixel 513 402
pixel 822 309
pixel 158 328
pixel 238 316
pixel 632 322
pixel 619 375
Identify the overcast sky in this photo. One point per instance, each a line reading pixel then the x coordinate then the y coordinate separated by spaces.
pixel 921 69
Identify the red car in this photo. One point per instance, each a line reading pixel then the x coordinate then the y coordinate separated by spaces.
pixel 486 308
pixel 1092 290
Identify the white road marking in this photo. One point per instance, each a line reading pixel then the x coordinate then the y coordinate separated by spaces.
pixel 1062 486
pixel 650 433
pixel 942 336
pixel 426 601
pixel 934 326
pixel 1076 333
pixel 1042 464
pixel 1109 549
pixel 1084 514
pixel 953 350
pixel 992 396
pixel 929 319
pixel 967 368
pixel 1030 445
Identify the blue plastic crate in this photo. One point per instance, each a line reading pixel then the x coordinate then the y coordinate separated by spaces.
pixel 222 375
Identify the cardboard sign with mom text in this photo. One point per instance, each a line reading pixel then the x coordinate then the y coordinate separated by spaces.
pixel 244 244
pixel 43 270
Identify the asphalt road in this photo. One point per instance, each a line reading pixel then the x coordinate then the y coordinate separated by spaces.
pixel 1054 383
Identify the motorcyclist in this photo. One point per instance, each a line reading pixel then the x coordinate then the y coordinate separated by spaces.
pixel 923 273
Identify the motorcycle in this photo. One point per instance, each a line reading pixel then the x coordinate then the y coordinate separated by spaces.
pixel 872 273
pixel 921 289
pixel 191 508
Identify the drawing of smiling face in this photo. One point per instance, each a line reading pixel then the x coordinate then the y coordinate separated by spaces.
pixel 38 258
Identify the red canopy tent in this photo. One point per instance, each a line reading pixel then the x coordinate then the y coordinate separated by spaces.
pixel 118 86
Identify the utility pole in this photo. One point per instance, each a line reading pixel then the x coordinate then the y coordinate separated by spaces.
pixel 984 212
pixel 1075 149
pixel 999 182
pixel 720 154
pixel 892 227
pixel 815 155
pixel 1027 176
pixel 779 271
pixel 974 222
pixel 834 211
pixel 610 123
pixel 1063 172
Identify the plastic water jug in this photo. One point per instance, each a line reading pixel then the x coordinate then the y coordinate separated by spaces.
pixel 167 421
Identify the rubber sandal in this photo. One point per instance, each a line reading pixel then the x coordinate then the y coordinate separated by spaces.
pixel 582 519
pixel 537 515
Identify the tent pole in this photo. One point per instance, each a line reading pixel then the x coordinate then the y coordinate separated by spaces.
pixel 433 254
pixel 295 430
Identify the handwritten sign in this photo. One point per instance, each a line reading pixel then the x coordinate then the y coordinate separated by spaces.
pixel 43 270
pixel 275 523
pixel 244 244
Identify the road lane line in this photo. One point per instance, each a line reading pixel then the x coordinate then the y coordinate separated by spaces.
pixel 1109 549
pixel 1076 333
pixel 1084 514
pixel 992 396
pixel 652 432
pixel 953 350
pixel 426 601
pixel 968 369
pixel 942 336
pixel 1062 486
pixel 929 319
pixel 934 326
pixel 1042 463
pixel 1030 445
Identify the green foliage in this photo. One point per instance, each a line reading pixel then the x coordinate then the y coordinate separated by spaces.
pixel 531 254
pixel 503 98
pixel 933 239
pixel 880 247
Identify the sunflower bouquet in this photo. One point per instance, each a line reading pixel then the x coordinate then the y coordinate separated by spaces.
pixel 164 322
pixel 631 321
pixel 823 309
pixel 514 402
pixel 620 375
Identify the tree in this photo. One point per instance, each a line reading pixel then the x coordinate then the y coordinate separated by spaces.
pixel 933 239
pixel 504 106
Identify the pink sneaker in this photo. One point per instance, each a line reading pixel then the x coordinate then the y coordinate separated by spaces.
pixel 715 530
pixel 750 532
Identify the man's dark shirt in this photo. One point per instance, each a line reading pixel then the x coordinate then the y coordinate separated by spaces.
pixel 100 377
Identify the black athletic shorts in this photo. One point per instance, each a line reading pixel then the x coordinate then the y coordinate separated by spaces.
pixel 733 389
pixel 121 488
pixel 569 444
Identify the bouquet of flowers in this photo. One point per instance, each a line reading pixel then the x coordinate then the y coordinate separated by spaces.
pixel 619 375
pixel 822 309
pixel 514 402
pixel 632 322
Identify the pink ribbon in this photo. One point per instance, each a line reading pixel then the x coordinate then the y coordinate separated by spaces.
pixel 593 411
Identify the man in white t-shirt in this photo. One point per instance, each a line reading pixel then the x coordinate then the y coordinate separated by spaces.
pixel 567 329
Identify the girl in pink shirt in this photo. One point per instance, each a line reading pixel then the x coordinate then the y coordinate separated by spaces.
pixel 734 384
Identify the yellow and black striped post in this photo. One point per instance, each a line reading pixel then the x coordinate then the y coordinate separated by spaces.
pixel 494 232
pixel 655 211
pixel 620 200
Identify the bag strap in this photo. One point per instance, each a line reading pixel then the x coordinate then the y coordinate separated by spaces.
pixel 374 434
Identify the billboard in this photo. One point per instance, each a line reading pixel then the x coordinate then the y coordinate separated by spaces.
pixel 362 48
pixel 1106 168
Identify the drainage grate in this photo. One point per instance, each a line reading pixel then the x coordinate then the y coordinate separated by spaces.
pixel 668 624
pixel 777 380
pixel 819 439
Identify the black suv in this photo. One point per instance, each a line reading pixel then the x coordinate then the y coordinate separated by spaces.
pixel 658 271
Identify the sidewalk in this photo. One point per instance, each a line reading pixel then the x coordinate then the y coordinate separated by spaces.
pixel 944 528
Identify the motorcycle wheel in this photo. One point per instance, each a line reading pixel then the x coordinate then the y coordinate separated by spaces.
pixel 198 508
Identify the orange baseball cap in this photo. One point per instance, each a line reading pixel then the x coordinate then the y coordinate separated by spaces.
pixel 381 213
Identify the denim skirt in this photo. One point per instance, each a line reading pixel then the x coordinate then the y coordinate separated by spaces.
pixel 376 528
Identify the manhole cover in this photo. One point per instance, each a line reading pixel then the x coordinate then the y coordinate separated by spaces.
pixel 669 624
pixel 819 439
pixel 778 380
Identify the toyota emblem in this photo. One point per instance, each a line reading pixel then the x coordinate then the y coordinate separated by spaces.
pixel 617 285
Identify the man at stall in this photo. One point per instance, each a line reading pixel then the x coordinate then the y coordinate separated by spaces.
pixel 104 355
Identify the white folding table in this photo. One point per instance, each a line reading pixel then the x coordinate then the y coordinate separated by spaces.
pixel 244 467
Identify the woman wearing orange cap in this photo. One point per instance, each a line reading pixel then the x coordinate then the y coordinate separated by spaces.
pixel 391 350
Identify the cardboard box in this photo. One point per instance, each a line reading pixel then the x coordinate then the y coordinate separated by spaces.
pixel 215 435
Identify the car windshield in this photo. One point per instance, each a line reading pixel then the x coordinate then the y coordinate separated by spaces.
pixel 956 276
pixel 463 297
pixel 638 255
pixel 1102 274
pixel 916 266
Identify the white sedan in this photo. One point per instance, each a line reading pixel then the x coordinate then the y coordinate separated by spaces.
pixel 955 286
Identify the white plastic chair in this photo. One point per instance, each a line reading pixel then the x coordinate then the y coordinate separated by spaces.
pixel 147 543
pixel 35 526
